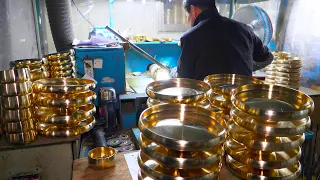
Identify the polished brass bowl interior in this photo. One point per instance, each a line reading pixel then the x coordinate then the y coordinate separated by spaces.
pixel 63 85
pixel 182 127
pixel 17 102
pixel 260 160
pixel 15 75
pixel 178 159
pixel 53 116
pixel 19 127
pixel 270 128
pixel 289 173
pixel 102 157
pixel 224 84
pixel 16 115
pixel 264 143
pixel 16 89
pixel 54 131
pixel 178 90
pixel 21 138
pixel 78 99
pixel 205 103
pixel 154 170
pixel 273 102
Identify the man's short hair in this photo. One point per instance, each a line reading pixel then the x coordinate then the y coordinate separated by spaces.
pixel 202 4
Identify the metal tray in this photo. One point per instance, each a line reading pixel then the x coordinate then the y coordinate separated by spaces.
pixel 15 75
pixel 224 84
pixel 180 160
pixel 178 90
pixel 259 160
pixel 63 85
pixel 154 170
pixel 287 104
pixel 183 127
pixel 16 89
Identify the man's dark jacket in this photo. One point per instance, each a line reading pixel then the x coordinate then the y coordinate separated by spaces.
pixel 218 45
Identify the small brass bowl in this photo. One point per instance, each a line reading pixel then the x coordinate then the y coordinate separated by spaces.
pixel 16 89
pixel 15 75
pixel 102 157
pixel 21 138
pixel 19 127
pixel 15 115
pixel 17 102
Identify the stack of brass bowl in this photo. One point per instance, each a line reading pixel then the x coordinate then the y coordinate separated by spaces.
pixel 62 64
pixel 271 70
pixel 267 131
pixel 37 67
pixel 17 106
pixel 222 87
pixel 64 106
pixel 289 72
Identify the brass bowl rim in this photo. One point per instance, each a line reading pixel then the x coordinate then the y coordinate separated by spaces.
pixel 26 102
pixel 9 112
pixel 17 88
pixel 204 103
pixel 110 157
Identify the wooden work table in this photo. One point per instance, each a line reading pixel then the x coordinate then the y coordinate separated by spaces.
pixel 82 171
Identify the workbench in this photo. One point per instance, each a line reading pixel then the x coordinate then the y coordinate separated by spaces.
pixel 82 171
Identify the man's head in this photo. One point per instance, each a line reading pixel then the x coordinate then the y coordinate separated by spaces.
pixel 195 7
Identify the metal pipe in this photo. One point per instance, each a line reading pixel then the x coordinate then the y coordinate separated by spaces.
pixel 142 52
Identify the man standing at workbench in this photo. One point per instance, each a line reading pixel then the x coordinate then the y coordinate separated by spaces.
pixel 218 45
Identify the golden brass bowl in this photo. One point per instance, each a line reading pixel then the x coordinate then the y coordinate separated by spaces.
pixel 289 66
pixel 205 103
pixel 289 173
pixel 270 102
pixel 260 160
pixel 182 127
pixel 220 101
pixel 19 127
pixel 288 70
pixel 17 102
pixel 63 85
pixel 178 159
pixel 63 73
pixel 271 73
pixel 21 138
pixel 270 77
pixel 288 82
pixel 79 99
pixel 59 62
pixel 16 115
pixel 54 131
pixel 178 90
pixel 267 128
pixel 154 170
pixel 142 176
pixel 16 89
pixel 15 75
pixel 102 157
pixel 224 84
pixel 51 116
pixel 288 79
pixel 68 65
pixel 290 60
pixel 39 75
pixel 26 63
pixel 288 75
pixel 258 142
pixel 58 55
pixel 281 54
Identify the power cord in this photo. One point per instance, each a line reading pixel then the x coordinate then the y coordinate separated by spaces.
pixel 75 5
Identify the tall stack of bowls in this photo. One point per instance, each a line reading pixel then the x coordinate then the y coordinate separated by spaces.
pixel 64 106
pixel 62 64
pixel 37 67
pixel 266 131
pixel 222 87
pixel 177 140
pixel 271 71
pixel 289 72
pixel 17 106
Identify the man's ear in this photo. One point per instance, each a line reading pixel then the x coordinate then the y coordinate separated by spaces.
pixel 193 11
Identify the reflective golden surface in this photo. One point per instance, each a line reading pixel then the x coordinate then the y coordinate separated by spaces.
pixel 17 102
pixel 289 75
pixel 205 103
pixel 102 157
pixel 26 63
pixel 224 84
pixel 19 127
pixel 58 55
pixel 288 70
pixel 178 90
pixel 63 85
pixel 289 66
pixel 39 75
pixel 264 143
pixel 55 116
pixel 281 54
pixel 16 89
pixel 21 138
pixel 68 65
pixel 59 62
pixel 15 75
pixel 182 127
pixel 64 72
pixel 16 115
pixel 179 159
pixel 270 128
pixel 221 102
pixel 54 131
pixel 270 102
pixel 289 173
pixel 154 170
pixel 259 159
pixel 76 100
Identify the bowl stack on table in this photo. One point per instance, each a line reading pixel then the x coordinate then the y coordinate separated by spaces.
pixel 62 64
pixel 222 87
pixel 289 72
pixel 64 106
pixel 179 140
pixel 37 67
pixel 267 131
pixel 271 71
pixel 17 106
